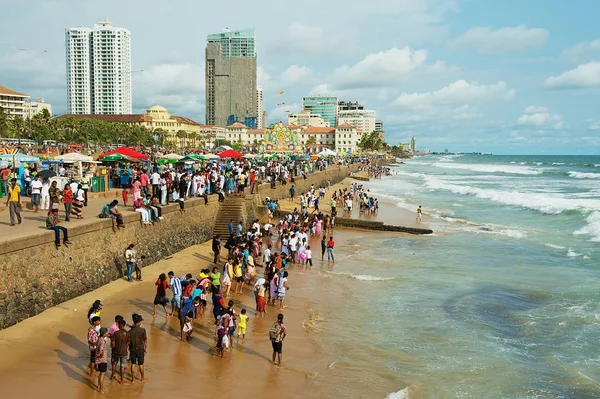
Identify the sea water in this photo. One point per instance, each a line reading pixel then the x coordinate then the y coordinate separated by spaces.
pixel 502 301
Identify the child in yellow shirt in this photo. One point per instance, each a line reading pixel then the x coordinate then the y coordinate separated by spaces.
pixel 241 327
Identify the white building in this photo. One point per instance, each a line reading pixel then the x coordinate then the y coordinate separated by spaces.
pixel 13 103
pixel 363 120
pixel 98 69
pixel 37 106
pixel 307 119
pixel 259 108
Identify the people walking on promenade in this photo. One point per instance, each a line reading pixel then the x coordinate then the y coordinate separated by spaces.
pixel 13 202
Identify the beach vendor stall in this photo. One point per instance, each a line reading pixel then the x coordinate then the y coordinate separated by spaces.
pixel 17 163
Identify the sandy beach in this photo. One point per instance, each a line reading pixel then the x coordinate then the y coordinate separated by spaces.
pixel 51 348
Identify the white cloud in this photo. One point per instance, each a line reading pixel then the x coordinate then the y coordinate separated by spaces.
pixel 465 112
pixel 540 117
pixel 177 87
pixel 262 77
pixel 594 126
pixel 505 40
pixel 583 77
pixel 307 40
pixel 380 69
pixel 295 74
pixel 458 92
pixel 581 50
pixel 280 113
pixel 533 109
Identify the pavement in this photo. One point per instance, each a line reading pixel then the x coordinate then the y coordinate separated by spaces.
pixel 34 223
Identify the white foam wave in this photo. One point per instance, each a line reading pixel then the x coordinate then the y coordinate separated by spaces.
pixel 592 228
pixel 572 254
pixel 557 163
pixel 581 175
pixel 542 202
pixel 510 169
pixel 554 246
pixel 403 394
pixel 366 277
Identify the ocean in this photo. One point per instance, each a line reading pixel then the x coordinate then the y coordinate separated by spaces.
pixel 502 301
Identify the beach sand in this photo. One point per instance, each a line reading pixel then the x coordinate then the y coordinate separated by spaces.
pixel 48 353
pixel 388 211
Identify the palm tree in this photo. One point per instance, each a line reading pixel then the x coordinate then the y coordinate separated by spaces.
pixel 181 135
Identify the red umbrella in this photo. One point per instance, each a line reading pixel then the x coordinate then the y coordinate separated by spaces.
pixel 230 154
pixel 126 151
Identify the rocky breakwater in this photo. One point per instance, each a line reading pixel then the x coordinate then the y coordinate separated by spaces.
pixel 37 276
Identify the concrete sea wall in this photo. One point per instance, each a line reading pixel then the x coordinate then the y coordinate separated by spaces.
pixel 37 276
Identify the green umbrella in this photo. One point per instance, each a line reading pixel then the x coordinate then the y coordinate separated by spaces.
pixel 196 157
pixel 116 157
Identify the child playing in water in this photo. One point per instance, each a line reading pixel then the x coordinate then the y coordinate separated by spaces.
pixel 242 324
pixel 187 325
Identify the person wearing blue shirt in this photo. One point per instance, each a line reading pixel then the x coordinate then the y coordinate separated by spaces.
pixel 239 229
pixel 187 307
pixel 230 227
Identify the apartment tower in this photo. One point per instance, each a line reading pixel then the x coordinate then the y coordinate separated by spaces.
pixel 98 69
pixel 231 89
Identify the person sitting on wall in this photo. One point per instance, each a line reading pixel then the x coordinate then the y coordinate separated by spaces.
pixel 52 224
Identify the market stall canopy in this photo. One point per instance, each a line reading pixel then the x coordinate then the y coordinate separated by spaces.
pixel 327 153
pixel 127 152
pixel 222 148
pixel 116 157
pixel 230 154
pixel 19 157
pixel 210 156
pixel 194 157
pixel 248 156
pixel 171 156
pixel 74 157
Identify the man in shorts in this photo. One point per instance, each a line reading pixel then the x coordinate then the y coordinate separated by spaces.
pixel 120 346
pixel 277 339
pixel 101 357
pixel 138 343
pixel 176 288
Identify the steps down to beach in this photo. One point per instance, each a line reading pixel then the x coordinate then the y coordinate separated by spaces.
pixel 231 208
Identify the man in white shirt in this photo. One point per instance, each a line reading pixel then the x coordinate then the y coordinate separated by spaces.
pixel 36 190
pixel 267 255
pixel 155 184
pixel 62 171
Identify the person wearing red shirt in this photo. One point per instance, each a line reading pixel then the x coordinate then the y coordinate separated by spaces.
pixel 161 294
pixel 68 202
pixel 144 180
pixel 252 181
pixel 330 245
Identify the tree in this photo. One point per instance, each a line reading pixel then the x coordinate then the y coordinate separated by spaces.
pixel 238 145
pixel 181 135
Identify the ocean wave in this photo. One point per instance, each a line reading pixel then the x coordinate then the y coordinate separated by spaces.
pixel 557 163
pixel 554 246
pixel 592 228
pixel 541 202
pixel 581 175
pixel 572 254
pixel 510 169
pixel 403 394
pixel 360 277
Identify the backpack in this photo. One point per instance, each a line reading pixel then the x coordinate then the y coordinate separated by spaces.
pixel 275 331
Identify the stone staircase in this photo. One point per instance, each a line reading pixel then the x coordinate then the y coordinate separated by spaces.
pixel 231 208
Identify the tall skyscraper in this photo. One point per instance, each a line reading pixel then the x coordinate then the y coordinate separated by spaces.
pixel 327 107
pixel 231 89
pixel 259 108
pixel 98 69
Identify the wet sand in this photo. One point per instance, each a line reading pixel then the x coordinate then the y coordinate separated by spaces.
pixel 49 353
pixel 388 211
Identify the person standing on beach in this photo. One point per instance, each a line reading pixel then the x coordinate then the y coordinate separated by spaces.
pixel 85 186
pixel 419 213
pixel 161 294
pixel 102 357
pixel 292 193
pixel 177 290
pixel 13 201
pixel 323 247
pixel 130 261
pixel 138 344
pixel 330 245
pixel 277 334
pixel 36 189
pixel 120 346
pixel 216 247
pixel 93 331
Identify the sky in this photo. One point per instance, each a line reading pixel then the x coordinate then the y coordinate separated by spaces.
pixel 506 77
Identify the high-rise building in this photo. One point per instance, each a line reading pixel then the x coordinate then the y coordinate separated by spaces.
pixel 259 108
pixel 98 69
pixel 413 144
pixel 327 107
pixel 231 89
pixel 363 120
pixel 350 106
pixel 307 119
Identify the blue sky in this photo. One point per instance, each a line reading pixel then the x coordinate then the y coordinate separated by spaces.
pixel 510 77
